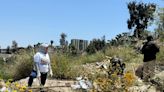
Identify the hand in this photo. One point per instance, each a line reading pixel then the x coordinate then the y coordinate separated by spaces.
pixel 38 75
pixel 51 74
pixel 45 59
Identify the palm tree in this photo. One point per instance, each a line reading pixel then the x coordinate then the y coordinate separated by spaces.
pixel 51 42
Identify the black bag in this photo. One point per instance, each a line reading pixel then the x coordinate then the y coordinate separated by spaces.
pixel 33 74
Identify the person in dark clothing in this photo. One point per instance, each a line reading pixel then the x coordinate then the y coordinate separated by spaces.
pixel 149 49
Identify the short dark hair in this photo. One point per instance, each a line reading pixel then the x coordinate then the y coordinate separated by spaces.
pixel 149 38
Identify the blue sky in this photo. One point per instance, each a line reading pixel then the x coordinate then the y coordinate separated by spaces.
pixel 32 21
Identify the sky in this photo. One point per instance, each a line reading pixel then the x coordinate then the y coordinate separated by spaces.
pixel 32 21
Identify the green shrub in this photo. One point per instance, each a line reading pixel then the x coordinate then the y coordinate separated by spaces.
pixel 160 55
pixel 68 67
pixel 128 54
pixel 18 66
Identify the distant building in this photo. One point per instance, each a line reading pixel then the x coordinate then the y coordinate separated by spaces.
pixel 3 51
pixel 79 44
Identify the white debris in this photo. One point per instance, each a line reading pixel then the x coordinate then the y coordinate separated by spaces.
pixel 105 66
pixel 3 89
pixel 82 83
pixel 79 78
pixel 75 86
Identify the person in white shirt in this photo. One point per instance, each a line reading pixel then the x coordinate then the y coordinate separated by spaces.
pixel 42 66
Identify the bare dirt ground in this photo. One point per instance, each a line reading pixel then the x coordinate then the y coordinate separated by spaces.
pixel 52 85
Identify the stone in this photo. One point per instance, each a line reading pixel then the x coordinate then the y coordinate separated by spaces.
pixel 139 71
pixel 158 81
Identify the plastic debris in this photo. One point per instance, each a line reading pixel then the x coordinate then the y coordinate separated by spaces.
pixel 82 83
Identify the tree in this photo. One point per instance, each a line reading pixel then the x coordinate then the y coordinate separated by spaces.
pixel 96 45
pixel 113 42
pixel 29 47
pixel 63 39
pixel 8 50
pixel 140 15
pixel 160 24
pixel 73 50
pixel 63 42
pixel 38 44
pixel 51 42
pixel 14 46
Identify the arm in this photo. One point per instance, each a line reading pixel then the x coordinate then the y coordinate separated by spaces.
pixel 36 64
pixel 37 69
pixel 142 49
pixel 50 69
pixel 49 65
pixel 157 47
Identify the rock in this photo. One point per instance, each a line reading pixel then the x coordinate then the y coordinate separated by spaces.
pixel 158 81
pixel 2 84
pixel 96 87
pixel 75 87
pixel 105 67
pixel 143 88
pixel 83 84
pixel 160 75
pixel 79 78
pixel 151 89
pixel 139 71
pixel 107 57
pixel 3 89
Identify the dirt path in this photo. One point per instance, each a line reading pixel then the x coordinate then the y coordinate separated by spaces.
pixel 53 84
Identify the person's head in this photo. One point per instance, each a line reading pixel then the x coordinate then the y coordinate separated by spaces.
pixel 43 48
pixel 149 38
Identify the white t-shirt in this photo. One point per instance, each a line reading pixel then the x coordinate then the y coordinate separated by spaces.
pixel 43 61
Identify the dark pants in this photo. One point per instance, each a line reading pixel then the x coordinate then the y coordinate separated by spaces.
pixel 43 78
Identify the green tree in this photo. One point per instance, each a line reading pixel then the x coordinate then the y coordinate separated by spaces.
pixel 73 50
pixel 29 47
pixel 96 45
pixel 14 46
pixel 140 15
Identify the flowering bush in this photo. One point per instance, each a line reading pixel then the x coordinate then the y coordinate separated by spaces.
pixel 13 87
pixel 114 83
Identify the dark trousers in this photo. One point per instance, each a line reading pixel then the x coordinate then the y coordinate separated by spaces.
pixel 43 78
